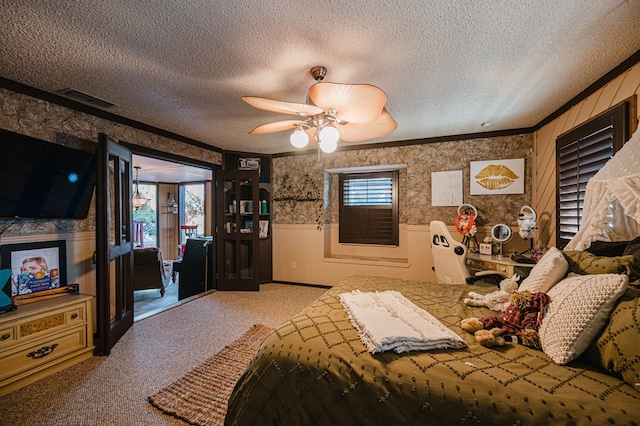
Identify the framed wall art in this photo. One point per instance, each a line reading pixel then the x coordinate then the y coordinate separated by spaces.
pixel 249 163
pixel 36 266
pixel 446 188
pixel 497 177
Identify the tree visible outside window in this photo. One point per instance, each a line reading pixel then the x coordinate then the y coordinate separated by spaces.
pixel 148 214
pixel 192 206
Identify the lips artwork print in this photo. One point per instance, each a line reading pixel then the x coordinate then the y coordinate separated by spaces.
pixel 497 177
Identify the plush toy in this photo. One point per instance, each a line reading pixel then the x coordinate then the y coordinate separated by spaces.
pixel 496 300
pixel 520 321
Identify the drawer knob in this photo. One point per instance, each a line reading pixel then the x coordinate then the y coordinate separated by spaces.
pixel 42 352
pixel 5 336
pixel 74 316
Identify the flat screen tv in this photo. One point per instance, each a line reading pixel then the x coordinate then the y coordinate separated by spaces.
pixel 44 180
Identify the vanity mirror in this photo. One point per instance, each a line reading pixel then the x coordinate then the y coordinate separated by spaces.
pixel 501 233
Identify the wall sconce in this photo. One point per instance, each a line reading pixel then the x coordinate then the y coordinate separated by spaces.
pixel 172 206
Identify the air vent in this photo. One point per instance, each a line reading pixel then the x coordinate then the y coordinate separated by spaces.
pixel 83 97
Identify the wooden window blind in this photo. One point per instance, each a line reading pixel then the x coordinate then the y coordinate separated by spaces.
pixel 580 153
pixel 369 208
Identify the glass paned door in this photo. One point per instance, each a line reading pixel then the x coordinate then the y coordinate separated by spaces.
pixel 237 230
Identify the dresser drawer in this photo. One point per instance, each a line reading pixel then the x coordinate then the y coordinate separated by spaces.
pixel 7 336
pixel 53 322
pixel 42 351
pixel 481 265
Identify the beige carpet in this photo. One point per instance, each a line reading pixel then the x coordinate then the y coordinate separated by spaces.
pixel 112 391
pixel 200 397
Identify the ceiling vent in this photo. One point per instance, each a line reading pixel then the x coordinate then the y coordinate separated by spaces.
pixel 83 97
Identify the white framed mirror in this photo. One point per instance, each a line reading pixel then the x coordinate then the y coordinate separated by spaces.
pixel 501 233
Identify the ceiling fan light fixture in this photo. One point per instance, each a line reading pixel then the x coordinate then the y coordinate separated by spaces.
pixel 329 134
pixel 328 138
pixel 328 146
pixel 299 138
pixel 357 108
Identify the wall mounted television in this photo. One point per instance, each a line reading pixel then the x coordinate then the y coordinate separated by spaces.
pixel 44 180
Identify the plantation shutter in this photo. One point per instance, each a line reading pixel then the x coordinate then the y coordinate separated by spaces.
pixel 580 154
pixel 369 208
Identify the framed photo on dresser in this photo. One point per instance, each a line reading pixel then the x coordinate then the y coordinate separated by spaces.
pixel 36 266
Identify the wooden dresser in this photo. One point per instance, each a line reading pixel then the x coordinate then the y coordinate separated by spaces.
pixel 40 338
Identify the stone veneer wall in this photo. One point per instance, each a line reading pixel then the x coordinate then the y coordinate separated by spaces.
pixel 415 180
pixel 44 120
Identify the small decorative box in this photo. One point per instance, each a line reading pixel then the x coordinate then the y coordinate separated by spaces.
pixel 485 249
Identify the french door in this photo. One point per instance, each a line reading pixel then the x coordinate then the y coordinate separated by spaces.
pixel 114 244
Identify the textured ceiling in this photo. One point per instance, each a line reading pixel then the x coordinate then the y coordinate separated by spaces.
pixel 446 66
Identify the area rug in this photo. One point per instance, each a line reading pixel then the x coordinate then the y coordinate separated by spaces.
pixel 200 397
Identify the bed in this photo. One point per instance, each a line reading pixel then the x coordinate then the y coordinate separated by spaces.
pixel 314 369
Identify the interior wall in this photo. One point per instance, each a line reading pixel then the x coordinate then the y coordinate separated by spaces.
pixel 54 123
pixel 305 247
pixel 544 140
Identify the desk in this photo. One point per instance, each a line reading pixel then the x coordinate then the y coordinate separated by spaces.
pixel 502 264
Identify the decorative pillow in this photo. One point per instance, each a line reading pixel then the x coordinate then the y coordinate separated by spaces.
pixel 617 349
pixel 633 248
pixel 551 268
pixel 607 248
pixel 582 262
pixel 579 308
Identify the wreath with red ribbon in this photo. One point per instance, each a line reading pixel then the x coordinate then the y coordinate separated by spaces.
pixel 465 223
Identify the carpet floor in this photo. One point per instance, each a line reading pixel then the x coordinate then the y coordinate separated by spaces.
pixel 200 396
pixel 154 353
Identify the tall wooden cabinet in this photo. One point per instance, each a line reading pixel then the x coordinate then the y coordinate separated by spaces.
pixel 243 229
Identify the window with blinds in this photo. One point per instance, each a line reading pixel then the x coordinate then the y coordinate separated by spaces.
pixel 580 154
pixel 369 208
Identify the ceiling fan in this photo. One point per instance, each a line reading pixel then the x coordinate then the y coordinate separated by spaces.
pixel 351 112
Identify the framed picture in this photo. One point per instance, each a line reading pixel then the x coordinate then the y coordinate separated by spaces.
pixel 248 163
pixel 263 228
pixel 497 177
pixel 35 266
pixel 446 188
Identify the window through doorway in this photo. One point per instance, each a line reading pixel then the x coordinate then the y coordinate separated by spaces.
pixel 192 210
pixel 145 218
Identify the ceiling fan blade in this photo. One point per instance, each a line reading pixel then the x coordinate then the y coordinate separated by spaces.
pixel 358 132
pixel 355 103
pixel 282 107
pixel 276 126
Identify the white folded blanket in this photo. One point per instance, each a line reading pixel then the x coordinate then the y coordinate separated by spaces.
pixel 388 320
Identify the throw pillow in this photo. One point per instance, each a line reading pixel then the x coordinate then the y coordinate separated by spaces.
pixel 633 248
pixel 617 349
pixel 551 268
pixel 585 263
pixel 580 306
pixel 607 248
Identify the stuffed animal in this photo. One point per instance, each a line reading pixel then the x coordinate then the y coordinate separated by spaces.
pixel 520 321
pixel 496 300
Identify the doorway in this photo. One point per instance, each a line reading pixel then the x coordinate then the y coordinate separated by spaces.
pixel 176 191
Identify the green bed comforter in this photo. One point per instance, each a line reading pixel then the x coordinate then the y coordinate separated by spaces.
pixel 314 370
